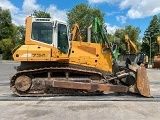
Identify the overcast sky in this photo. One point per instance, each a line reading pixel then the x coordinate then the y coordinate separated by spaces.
pixel 118 13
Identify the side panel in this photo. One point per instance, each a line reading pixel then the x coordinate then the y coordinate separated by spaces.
pixel 91 55
pixel 32 53
pixel 21 53
pixel 39 53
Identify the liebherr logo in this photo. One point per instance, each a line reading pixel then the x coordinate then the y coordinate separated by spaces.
pixel 38 55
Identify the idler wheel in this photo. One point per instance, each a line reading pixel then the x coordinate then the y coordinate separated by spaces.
pixel 23 83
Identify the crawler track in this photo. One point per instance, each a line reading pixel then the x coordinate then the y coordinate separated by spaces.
pixel 42 82
pixel 69 79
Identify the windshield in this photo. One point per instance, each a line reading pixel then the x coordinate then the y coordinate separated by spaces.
pixel 42 31
pixel 63 44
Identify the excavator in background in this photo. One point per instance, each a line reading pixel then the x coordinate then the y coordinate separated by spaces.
pixel 55 61
pixel 136 57
pixel 156 60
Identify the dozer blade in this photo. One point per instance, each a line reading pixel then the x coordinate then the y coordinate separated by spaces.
pixel 142 82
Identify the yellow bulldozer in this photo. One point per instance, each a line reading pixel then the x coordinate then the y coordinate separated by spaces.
pixel 55 61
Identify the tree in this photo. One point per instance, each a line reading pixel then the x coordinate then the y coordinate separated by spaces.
pixel 150 36
pixel 6 27
pixel 132 32
pixel 10 34
pixel 7 33
pixel 41 14
pixel 20 34
pixel 6 45
pixel 83 15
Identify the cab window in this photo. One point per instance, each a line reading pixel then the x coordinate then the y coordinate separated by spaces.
pixel 63 44
pixel 42 31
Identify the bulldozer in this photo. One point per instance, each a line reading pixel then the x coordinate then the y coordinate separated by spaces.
pixel 136 57
pixel 55 61
pixel 156 60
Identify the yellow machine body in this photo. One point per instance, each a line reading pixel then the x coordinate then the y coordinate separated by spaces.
pixel 81 53
pixel 52 58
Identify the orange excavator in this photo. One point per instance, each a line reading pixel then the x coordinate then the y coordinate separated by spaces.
pixel 156 60
pixel 62 64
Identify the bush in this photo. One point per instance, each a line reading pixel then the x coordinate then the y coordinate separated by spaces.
pixel 6 46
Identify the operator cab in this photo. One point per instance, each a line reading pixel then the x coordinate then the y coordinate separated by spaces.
pixel 51 32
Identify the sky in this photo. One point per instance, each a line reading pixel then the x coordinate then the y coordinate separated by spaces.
pixel 118 13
